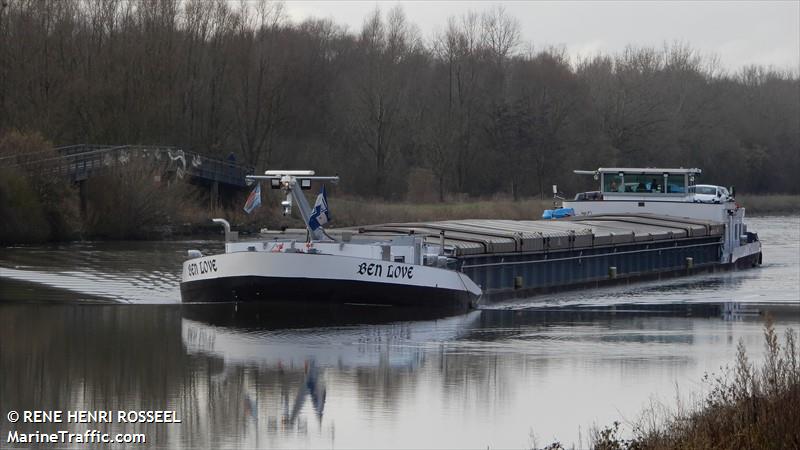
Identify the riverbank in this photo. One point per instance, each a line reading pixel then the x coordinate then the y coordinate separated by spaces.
pixel 354 211
pixel 350 211
pixel 747 406
pixel 133 207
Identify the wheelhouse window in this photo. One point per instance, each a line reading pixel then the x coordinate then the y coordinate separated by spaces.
pixel 612 183
pixel 643 183
pixel 676 183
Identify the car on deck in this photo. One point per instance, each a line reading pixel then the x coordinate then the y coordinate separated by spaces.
pixel 709 193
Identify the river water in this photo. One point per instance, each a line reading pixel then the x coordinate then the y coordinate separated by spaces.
pixel 99 326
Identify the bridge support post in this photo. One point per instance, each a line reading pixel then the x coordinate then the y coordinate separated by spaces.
pixel 83 193
pixel 214 195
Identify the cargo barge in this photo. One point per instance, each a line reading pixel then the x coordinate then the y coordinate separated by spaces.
pixel 643 223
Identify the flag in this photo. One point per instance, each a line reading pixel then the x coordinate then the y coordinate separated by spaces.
pixel 253 200
pixel 320 215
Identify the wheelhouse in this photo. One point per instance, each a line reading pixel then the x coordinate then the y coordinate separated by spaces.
pixel 624 183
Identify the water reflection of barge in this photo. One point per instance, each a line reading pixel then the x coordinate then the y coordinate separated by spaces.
pixel 335 335
pixel 641 225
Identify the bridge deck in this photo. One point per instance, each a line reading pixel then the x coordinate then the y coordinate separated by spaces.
pixel 79 162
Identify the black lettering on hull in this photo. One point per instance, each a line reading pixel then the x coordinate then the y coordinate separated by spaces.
pixel 392 271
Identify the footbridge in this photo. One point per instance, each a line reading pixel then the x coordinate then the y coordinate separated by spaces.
pixel 81 162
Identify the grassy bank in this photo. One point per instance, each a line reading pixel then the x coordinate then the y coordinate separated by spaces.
pixel 748 406
pixel 765 204
pixel 354 211
pixel 350 211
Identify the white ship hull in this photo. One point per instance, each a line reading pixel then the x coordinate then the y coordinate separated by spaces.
pixel 268 276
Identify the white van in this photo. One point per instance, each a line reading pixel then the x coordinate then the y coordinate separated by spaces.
pixel 709 193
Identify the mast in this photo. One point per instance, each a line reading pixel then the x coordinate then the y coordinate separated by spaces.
pixel 293 182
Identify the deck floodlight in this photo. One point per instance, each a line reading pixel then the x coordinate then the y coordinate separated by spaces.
pixel 275 183
pixel 305 183
pixel 298 173
pixel 621 174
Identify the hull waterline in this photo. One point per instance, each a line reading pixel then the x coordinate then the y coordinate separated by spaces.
pixel 322 291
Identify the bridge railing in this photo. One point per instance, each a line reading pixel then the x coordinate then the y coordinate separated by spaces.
pixel 220 170
pixel 81 161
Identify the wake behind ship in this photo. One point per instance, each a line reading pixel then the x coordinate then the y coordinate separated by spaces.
pixel 643 223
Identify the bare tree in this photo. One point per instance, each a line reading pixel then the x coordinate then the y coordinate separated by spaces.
pixel 220 76
pixel 377 110
pixel 501 33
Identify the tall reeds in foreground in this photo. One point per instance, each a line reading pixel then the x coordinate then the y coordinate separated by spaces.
pixel 747 407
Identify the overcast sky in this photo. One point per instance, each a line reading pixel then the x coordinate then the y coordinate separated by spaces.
pixel 738 32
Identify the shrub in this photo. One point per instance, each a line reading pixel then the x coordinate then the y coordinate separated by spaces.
pixel 131 201
pixel 35 207
pixel 23 217
pixel 747 407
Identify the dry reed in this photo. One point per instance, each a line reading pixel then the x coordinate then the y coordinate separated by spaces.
pixel 746 407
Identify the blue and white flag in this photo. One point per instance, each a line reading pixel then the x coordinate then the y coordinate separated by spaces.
pixel 253 200
pixel 320 215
